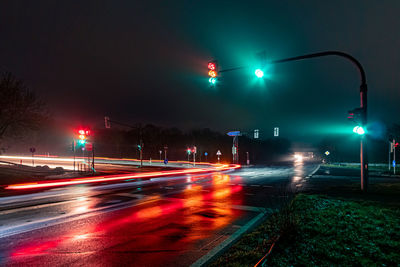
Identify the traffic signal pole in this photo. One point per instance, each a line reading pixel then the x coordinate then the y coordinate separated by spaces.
pixel 394 158
pixel 363 102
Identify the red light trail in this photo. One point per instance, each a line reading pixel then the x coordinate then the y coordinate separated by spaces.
pixel 111 178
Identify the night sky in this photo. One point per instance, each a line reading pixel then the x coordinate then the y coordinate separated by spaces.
pixel 146 61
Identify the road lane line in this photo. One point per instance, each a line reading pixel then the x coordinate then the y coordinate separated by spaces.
pixel 47 222
pixel 316 169
pixel 40 206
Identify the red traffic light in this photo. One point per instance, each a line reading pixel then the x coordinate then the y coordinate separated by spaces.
pixel 396 144
pixel 84 131
pixel 212 66
pixel 351 115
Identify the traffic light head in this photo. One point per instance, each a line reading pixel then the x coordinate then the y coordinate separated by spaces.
pixel 212 72
pixel 82 142
pixel 259 73
pixel 359 130
pixel 212 80
pixel 189 151
pixel 82 135
pixel 212 66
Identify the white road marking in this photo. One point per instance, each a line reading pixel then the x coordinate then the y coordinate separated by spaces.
pixel 35 207
pixel 47 222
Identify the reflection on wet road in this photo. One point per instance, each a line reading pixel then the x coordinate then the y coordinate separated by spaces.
pixel 165 222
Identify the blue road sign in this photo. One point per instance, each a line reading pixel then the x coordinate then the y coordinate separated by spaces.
pixel 234 133
pixel 165 161
pixel 205 154
pixel 394 163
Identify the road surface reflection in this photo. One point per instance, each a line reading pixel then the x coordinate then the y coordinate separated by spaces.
pixel 158 230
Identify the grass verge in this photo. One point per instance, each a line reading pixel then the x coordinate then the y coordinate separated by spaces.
pixel 323 231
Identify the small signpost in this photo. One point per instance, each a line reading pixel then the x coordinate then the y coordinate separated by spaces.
pixel 394 166
pixel 276 131
pixel 89 146
pixel 194 155
pixel 235 147
pixel 32 150
pixel 234 133
pixel 165 152
pixel 165 161
pixel 218 154
pixel 394 156
pixel 256 134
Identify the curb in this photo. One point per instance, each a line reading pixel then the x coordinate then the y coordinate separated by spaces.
pixel 226 244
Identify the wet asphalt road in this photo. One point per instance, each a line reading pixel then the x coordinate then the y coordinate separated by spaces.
pixel 172 221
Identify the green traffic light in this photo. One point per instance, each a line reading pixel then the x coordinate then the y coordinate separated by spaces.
pixel 259 73
pixel 212 80
pixel 359 130
pixel 82 142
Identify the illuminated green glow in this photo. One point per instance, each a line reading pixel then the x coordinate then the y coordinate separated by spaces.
pixel 81 142
pixel 212 80
pixel 359 130
pixel 259 73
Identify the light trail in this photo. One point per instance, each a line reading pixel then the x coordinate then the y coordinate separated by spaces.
pixel 40 158
pixel 82 159
pixel 111 178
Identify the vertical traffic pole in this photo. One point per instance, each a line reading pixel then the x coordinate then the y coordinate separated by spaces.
pixel 93 157
pixel 394 157
pixel 363 97
pixel 390 151
pixel 141 153
pixel 364 138
pixel 73 148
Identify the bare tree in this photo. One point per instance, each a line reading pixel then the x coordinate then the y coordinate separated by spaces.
pixel 20 109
